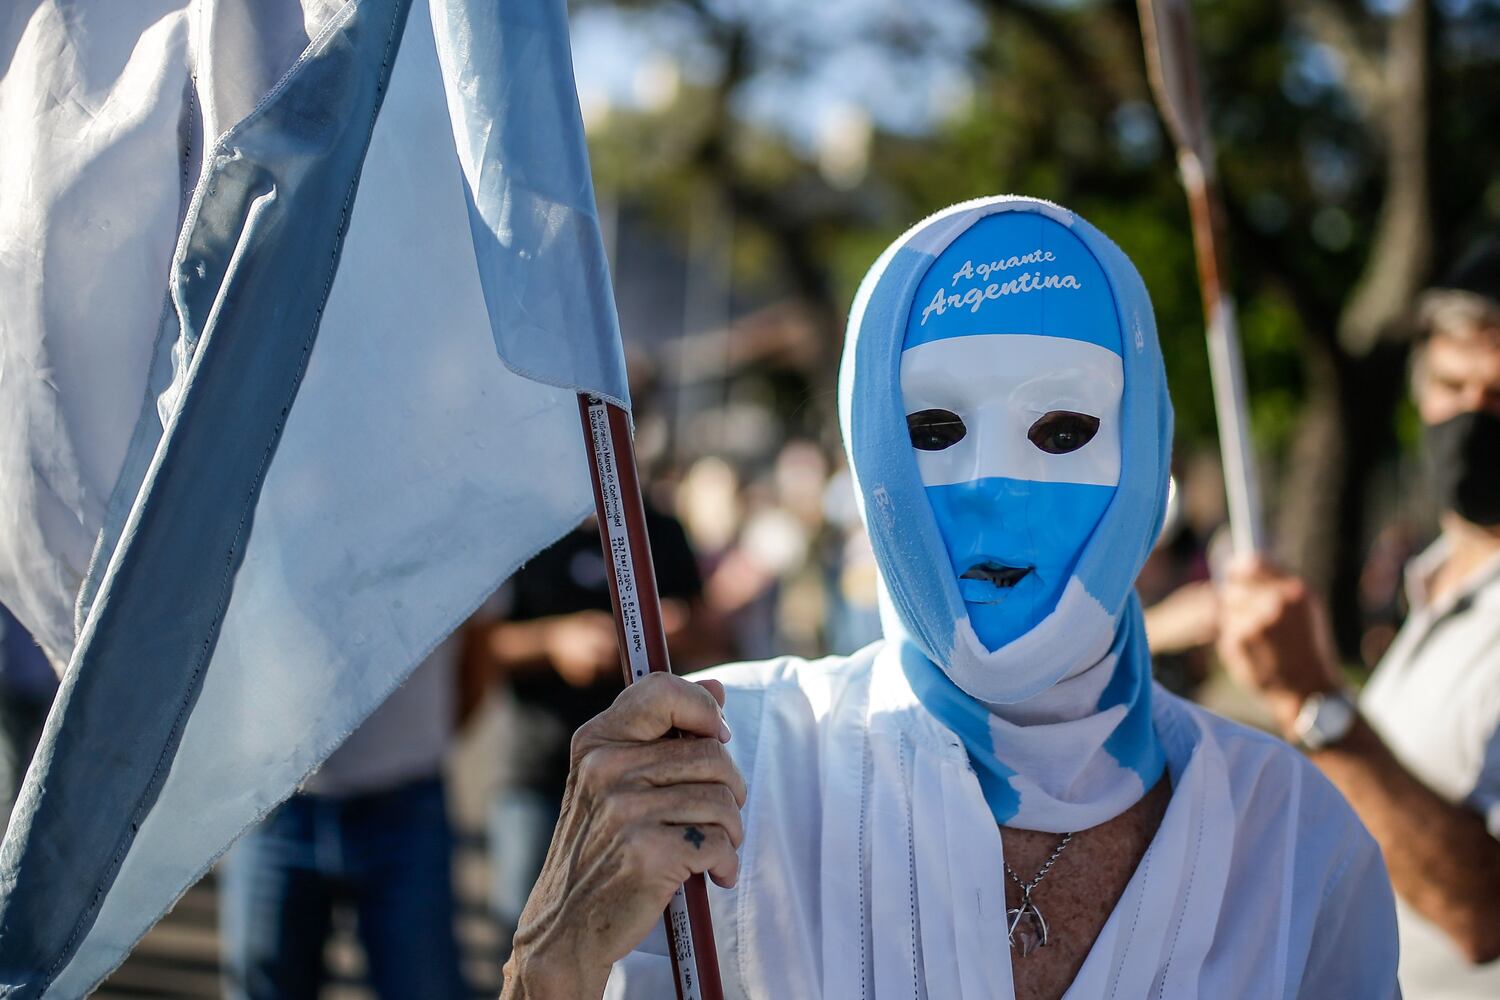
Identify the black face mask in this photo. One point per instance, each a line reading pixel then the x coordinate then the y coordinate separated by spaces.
pixel 1463 463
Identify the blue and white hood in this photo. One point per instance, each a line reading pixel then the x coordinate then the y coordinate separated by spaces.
pixel 1057 721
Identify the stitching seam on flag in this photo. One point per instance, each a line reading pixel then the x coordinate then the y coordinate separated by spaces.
pixel 117 507
pixel 221 143
pixel 86 919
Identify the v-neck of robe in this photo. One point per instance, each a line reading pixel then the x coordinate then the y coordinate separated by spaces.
pixel 931 893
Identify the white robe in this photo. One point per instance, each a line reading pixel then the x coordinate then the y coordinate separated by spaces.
pixel 872 867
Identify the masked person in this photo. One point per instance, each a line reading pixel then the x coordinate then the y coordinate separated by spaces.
pixel 1419 759
pixel 999 768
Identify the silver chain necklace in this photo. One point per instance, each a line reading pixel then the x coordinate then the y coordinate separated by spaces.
pixel 1025 921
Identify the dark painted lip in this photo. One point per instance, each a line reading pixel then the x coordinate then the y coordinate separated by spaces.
pixel 996 574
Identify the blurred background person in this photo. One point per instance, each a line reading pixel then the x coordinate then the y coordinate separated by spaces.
pixel 769 584
pixel 853 620
pixel 27 684
pixel 1382 587
pixel 553 650
pixel 1419 758
pixel 1181 605
pixel 368 832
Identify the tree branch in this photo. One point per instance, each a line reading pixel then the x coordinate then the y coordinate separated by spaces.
pixel 1401 250
pixel 1367 83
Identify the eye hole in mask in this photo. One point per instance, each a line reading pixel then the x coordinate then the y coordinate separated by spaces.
pixel 934 430
pixel 1062 431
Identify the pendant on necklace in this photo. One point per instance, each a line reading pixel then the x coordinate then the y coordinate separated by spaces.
pixel 1025 926
pixel 1026 929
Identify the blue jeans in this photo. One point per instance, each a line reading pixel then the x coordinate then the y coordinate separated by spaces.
pixel 387 854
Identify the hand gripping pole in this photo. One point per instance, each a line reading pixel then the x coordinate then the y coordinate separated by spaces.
pixel 643 649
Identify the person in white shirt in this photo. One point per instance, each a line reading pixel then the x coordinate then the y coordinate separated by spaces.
pixel 1420 757
pixel 994 800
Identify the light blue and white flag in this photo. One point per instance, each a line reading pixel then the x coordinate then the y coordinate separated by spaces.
pixel 259 452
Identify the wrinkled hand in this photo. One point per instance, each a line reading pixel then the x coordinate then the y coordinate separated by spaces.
pixel 582 647
pixel 643 811
pixel 1274 637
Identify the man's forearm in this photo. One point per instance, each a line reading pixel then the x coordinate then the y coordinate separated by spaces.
pixel 1442 860
pixel 519 647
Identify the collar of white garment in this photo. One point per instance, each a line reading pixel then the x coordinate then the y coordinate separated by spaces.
pixel 1424 567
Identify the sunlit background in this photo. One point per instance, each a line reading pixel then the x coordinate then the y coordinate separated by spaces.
pixel 752 159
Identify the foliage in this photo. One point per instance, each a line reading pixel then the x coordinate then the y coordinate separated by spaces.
pixel 1356 141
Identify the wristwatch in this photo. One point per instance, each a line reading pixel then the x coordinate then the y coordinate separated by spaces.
pixel 1325 719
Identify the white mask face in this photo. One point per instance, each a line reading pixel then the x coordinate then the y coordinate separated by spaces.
pixel 1000 386
pixel 1017 439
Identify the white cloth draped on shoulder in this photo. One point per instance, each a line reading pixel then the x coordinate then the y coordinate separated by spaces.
pixel 873 868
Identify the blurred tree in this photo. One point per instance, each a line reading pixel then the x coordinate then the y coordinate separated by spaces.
pixel 1356 140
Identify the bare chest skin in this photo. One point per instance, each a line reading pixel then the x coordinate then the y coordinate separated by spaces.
pixel 1080 891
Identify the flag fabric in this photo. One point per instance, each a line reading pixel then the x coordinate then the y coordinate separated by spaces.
pixel 256 259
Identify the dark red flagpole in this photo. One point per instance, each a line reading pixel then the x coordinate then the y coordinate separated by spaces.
pixel 643 649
